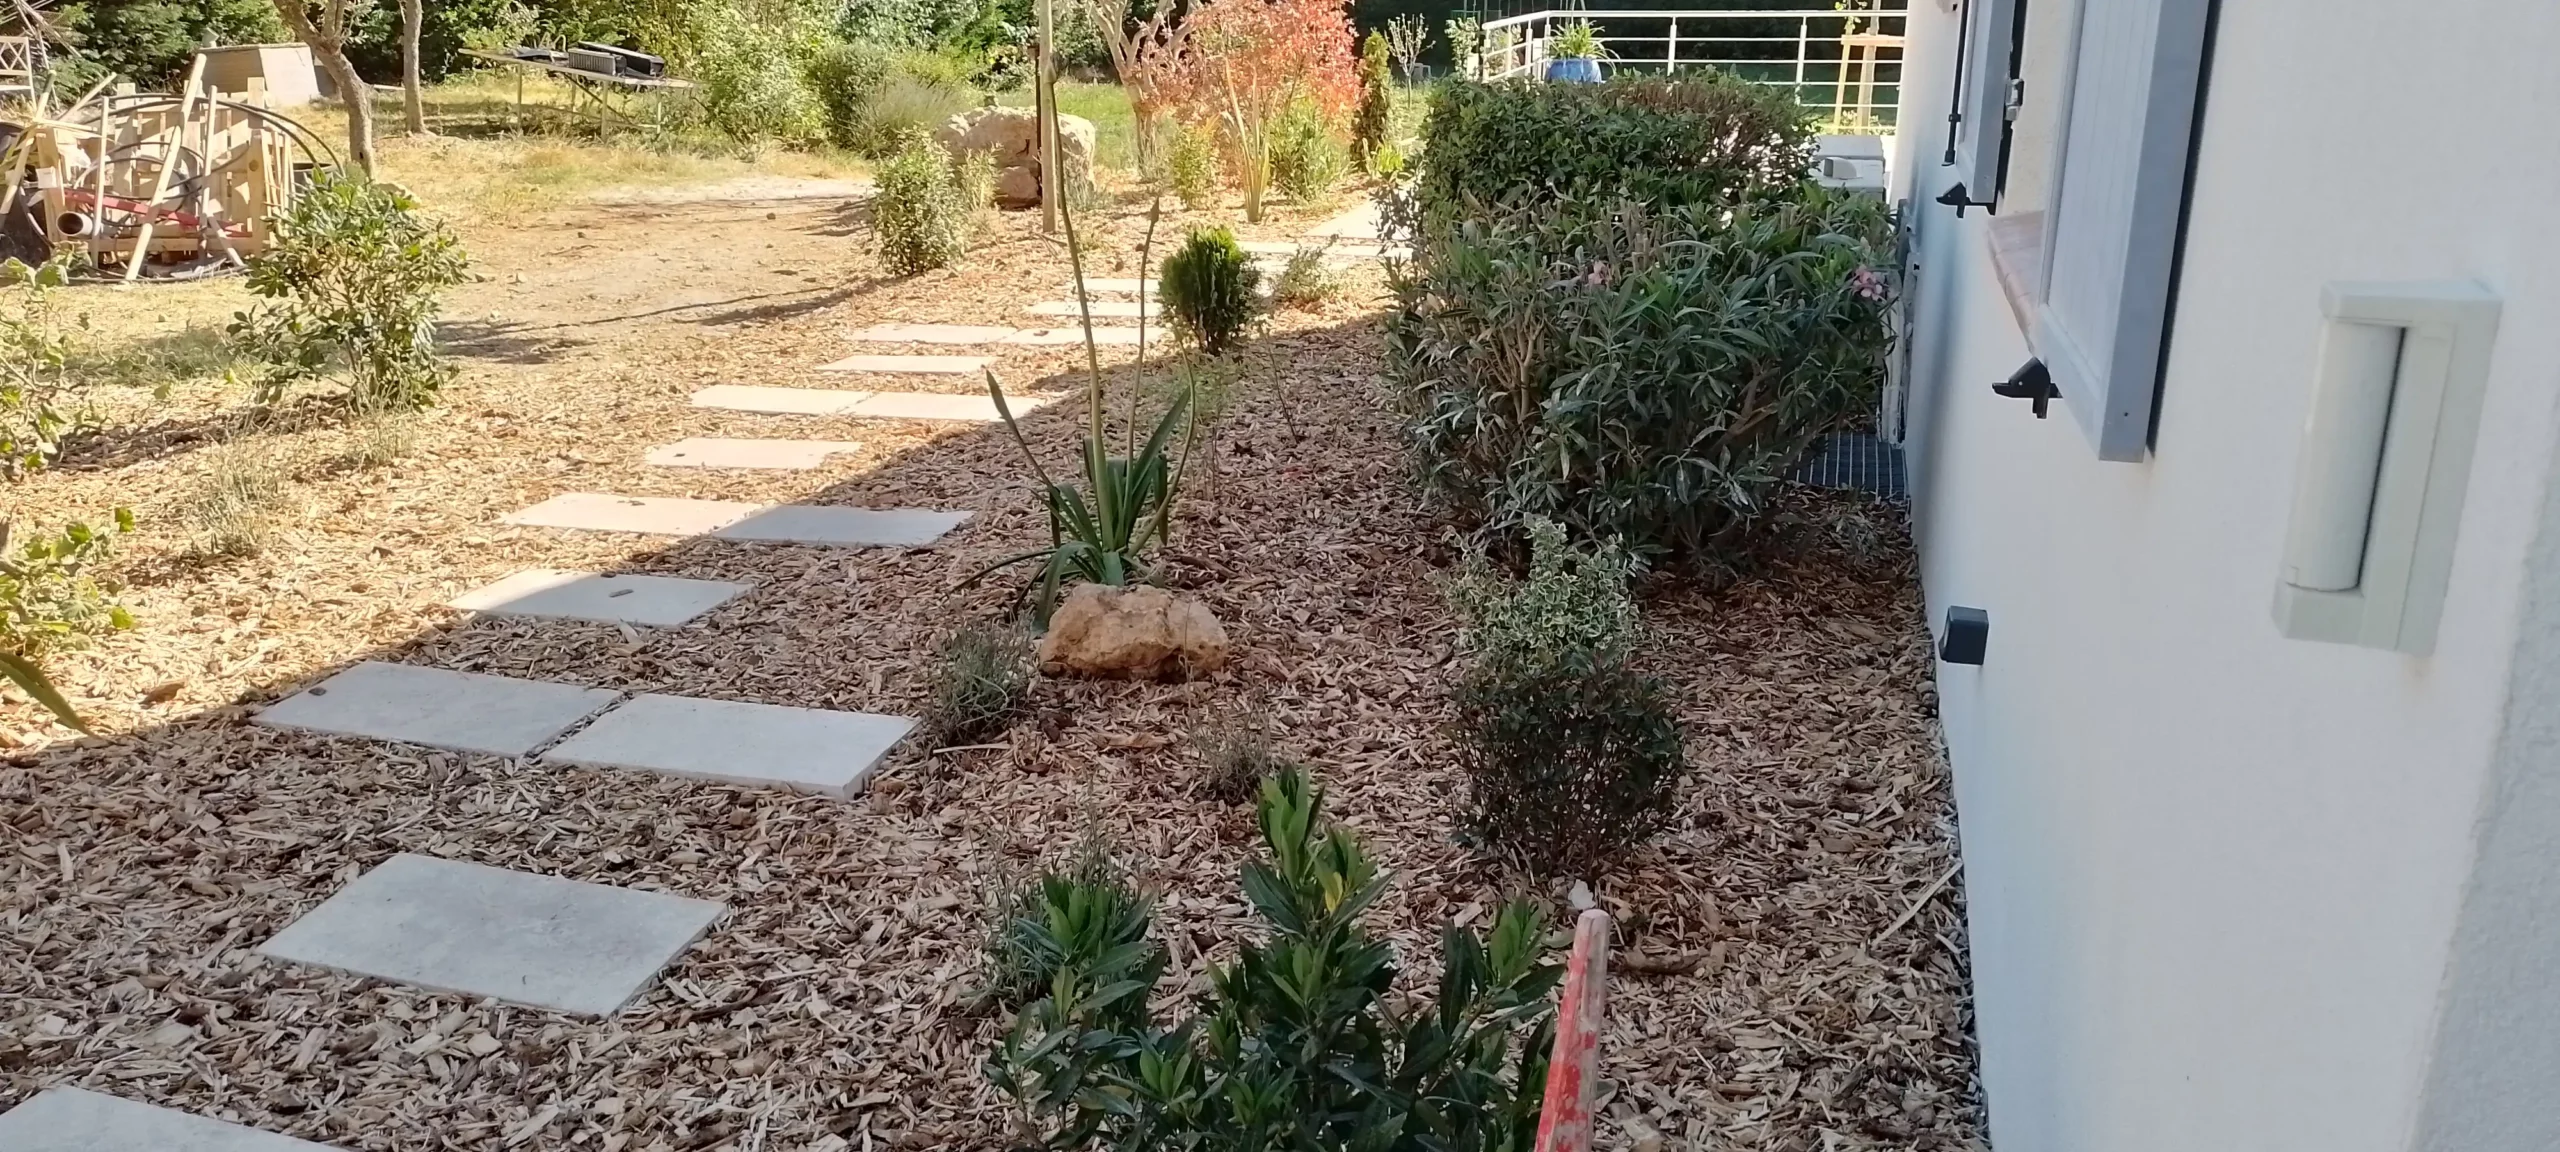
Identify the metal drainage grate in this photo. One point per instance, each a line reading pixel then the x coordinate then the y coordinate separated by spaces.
pixel 1855 460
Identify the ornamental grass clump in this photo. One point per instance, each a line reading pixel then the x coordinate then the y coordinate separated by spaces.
pixel 1570 754
pixel 1208 289
pixel 981 674
pixel 1298 1043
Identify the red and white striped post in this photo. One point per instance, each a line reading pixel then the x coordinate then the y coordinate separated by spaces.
pixel 1573 1072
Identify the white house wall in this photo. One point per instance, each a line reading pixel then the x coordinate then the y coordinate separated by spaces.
pixel 2214 874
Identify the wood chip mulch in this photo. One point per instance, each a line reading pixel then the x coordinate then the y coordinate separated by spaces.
pixel 1791 972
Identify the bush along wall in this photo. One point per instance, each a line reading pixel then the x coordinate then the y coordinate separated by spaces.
pixel 1704 137
pixel 1628 309
pixel 1648 374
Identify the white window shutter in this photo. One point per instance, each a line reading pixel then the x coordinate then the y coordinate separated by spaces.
pixel 1982 108
pixel 2112 229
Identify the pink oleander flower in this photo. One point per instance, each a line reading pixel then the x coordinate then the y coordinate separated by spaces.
pixel 1867 283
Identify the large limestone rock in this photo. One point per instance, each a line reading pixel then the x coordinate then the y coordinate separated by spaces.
pixel 1012 137
pixel 1140 633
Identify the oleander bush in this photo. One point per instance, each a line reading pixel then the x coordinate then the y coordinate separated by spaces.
pixel 1299 1043
pixel 1702 137
pixel 1637 373
pixel 1570 754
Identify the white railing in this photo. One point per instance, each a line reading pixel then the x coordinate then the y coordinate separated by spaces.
pixel 1844 65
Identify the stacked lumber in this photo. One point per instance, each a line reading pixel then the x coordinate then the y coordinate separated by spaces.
pixel 144 179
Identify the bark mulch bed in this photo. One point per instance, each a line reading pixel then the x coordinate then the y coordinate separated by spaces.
pixel 1791 972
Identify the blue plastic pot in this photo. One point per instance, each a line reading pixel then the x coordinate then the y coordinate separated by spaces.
pixel 1573 70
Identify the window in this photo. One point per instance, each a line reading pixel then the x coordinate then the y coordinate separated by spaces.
pixel 2074 122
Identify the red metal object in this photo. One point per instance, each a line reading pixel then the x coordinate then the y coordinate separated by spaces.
pixel 137 208
pixel 1573 1072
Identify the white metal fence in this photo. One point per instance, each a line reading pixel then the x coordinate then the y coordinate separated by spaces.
pixel 1845 65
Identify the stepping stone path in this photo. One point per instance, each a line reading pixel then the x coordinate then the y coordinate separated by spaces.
pixel 461 711
pixel 1360 222
pixel 654 601
pixel 969 406
pixel 1331 252
pixel 77 1120
pixel 930 365
pixel 732 520
pixel 761 745
pixel 987 334
pixel 709 452
pixel 474 930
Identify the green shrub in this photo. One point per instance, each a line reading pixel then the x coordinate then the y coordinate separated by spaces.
pixel 1306 280
pixel 917 211
pixel 50 595
pixel 753 85
pixel 1703 137
pixel 1207 287
pixel 1636 375
pixel 1191 167
pixel 1569 754
pixel 352 280
pixel 1377 99
pixel 1297 1044
pixel 981 674
pixel 1306 159
pixel 40 401
pixel 875 98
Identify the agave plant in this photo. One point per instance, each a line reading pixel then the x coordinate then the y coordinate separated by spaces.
pixel 1100 531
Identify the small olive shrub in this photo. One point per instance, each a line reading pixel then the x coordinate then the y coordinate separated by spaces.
pixel 1306 281
pixel 1306 159
pixel 1298 1044
pixel 1191 167
pixel 1570 755
pixel 352 283
pixel 980 676
pixel 40 402
pixel 1208 287
pixel 918 212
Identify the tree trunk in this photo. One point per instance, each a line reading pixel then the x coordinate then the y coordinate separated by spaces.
pixel 329 48
pixel 413 16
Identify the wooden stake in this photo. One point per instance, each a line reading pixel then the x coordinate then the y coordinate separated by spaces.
pixel 1573 1072
pixel 177 138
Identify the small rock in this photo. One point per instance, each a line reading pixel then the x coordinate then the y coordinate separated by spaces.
pixel 163 692
pixel 1580 897
pixel 170 1035
pixel 1140 633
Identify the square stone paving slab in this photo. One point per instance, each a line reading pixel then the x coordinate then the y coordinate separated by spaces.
pixel 937 365
pixel 78 1120
pixel 656 601
pixel 714 452
pixel 463 711
pixel 1112 286
pixel 1073 334
pixel 1114 309
pixel 655 515
pixel 454 926
pixel 933 334
pixel 787 401
pixel 764 745
pixel 844 527
pixel 977 407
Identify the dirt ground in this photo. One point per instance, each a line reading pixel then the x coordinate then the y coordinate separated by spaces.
pixel 1811 994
